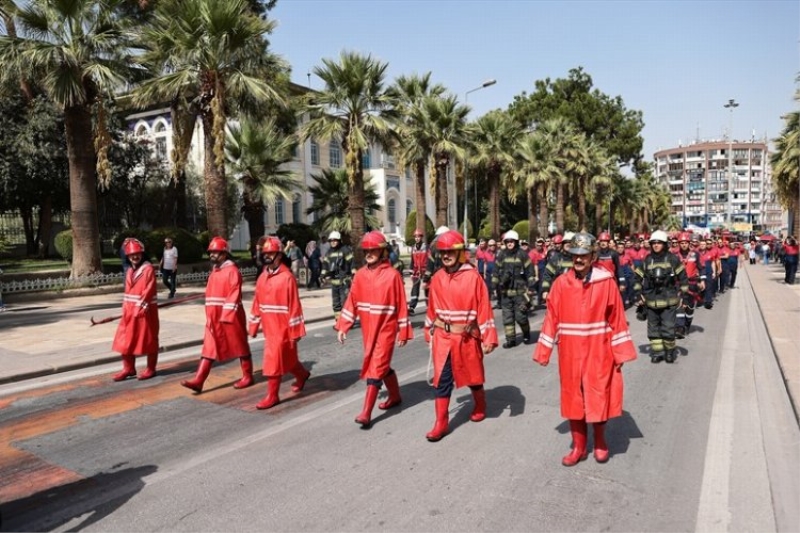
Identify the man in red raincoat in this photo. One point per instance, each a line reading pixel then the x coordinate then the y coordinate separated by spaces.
pixel 586 318
pixel 276 308
pixel 226 325
pixel 459 324
pixel 377 296
pixel 137 333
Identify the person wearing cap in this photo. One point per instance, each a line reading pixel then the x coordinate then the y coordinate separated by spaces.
pixel 169 266
pixel 459 326
pixel 419 259
pixel 226 324
pixel 696 276
pixel 661 281
pixel 378 298
pixel 585 317
pixel 277 310
pixel 558 262
pixel 338 268
pixel 137 332
pixel 515 278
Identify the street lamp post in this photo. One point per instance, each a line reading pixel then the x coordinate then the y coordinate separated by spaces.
pixel 487 83
pixel 731 105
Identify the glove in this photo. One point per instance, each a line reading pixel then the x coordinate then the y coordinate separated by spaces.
pixel 641 313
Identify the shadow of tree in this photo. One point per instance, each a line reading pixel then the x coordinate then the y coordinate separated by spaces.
pixel 88 500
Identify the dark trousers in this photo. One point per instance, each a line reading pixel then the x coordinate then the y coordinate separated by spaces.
pixel 515 310
pixel 170 278
pixel 790 267
pixel 338 297
pixel 661 328
pixel 446 381
pixel 733 269
pixel 708 295
pixel 416 283
pixel 313 280
pixel 724 278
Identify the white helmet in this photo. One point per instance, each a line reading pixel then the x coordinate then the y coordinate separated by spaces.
pixel 442 229
pixel 335 235
pixel 659 235
pixel 568 236
pixel 511 235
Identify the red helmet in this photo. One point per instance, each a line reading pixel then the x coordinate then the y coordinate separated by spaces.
pixel 558 239
pixel 451 240
pixel 685 237
pixel 218 244
pixel 133 246
pixel 272 244
pixel 419 233
pixel 373 240
pixel 604 236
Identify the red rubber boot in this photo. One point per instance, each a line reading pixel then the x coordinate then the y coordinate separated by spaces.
pixel 365 418
pixel 441 427
pixel 578 429
pixel 301 375
pixel 479 412
pixel 128 369
pixel 271 399
pixel 203 370
pixel 152 360
pixel 246 363
pixel 394 392
pixel 600 445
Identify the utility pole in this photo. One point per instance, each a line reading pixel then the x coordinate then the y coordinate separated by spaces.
pixel 731 105
pixel 487 83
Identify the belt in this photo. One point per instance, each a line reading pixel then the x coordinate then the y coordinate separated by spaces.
pixel 471 328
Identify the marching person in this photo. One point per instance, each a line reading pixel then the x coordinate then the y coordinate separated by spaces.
pixel 459 325
pixel 659 281
pixel 338 268
pixel 419 258
pixel 558 262
pixel 696 276
pixel 586 318
pixel 137 333
pixel 277 309
pixel 608 258
pixel 169 266
pixel 378 298
pixel 514 276
pixel 226 325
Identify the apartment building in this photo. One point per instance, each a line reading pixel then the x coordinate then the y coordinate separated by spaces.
pixel 705 194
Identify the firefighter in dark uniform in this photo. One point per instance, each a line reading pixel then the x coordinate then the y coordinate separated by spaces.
pixel 558 262
pixel 609 259
pixel 661 281
pixel 419 259
pixel 514 275
pixel 338 268
pixel 433 262
pixel 696 275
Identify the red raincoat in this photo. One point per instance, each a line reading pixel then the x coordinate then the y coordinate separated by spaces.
pixel 226 326
pixel 587 321
pixel 276 308
pixel 460 298
pixel 137 333
pixel 378 297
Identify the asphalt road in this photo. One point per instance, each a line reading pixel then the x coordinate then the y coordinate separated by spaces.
pixel 706 444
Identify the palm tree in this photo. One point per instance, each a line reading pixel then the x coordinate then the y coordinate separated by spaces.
pixel 215 54
pixel 785 163
pixel 537 170
pixel 446 124
pixel 494 139
pixel 603 169
pixel 330 202
pixel 77 51
pixel 414 147
pixel 354 109
pixel 256 152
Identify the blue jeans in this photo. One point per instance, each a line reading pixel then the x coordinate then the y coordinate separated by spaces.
pixel 170 278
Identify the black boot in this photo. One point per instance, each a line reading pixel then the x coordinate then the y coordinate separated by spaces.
pixel 680 332
pixel 510 343
pixel 526 335
pixel 656 357
pixel 671 355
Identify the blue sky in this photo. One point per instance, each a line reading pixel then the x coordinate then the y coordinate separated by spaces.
pixel 677 61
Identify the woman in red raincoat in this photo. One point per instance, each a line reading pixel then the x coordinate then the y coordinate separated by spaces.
pixel 137 333
pixel 378 297
pixel 276 308
pixel 586 318
pixel 460 325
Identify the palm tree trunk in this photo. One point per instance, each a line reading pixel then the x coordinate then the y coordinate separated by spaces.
pixel 560 208
pixel 253 211
pixel 441 192
pixel 544 212
pixel 82 191
pixel 581 194
pixel 533 226
pixel 419 191
pixel 356 207
pixel 183 125
pixel 598 211
pixel 45 226
pixel 216 188
pixel 493 175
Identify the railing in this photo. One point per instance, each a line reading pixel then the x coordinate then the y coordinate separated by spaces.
pixel 99 280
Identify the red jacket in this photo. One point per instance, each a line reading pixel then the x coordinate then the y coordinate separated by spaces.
pixel 137 333
pixel 277 309
pixel 460 298
pixel 587 321
pixel 378 297
pixel 226 326
pixel 419 259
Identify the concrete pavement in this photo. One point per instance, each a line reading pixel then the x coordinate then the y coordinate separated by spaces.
pixel 42 335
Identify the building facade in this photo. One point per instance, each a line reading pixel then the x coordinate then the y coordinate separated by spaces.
pixel 705 194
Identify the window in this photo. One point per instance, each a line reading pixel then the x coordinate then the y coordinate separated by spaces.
pixel 314 153
pixel 392 205
pixel 392 183
pixel 335 154
pixel 160 127
pixel 296 208
pixel 141 131
pixel 279 212
pixel 161 149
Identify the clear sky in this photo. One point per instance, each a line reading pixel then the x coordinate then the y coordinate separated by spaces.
pixel 677 61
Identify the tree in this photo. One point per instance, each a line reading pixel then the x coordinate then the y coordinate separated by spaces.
pixel 213 55
pixel 785 163
pixel 256 152
pixel 98 45
pixel 537 171
pixel 330 202
pixel 354 109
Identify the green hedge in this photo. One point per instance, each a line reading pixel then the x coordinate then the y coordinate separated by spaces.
pixel 190 249
pixel 63 242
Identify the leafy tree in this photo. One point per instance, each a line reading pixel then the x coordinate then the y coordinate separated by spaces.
pixel 330 202
pixel 785 163
pixel 411 226
pixel 98 45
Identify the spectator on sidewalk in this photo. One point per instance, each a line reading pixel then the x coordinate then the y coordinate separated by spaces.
pixel 314 264
pixel 790 257
pixel 169 266
pixel 294 254
pixel 137 333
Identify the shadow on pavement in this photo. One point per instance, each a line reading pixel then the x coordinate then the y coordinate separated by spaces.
pixel 619 432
